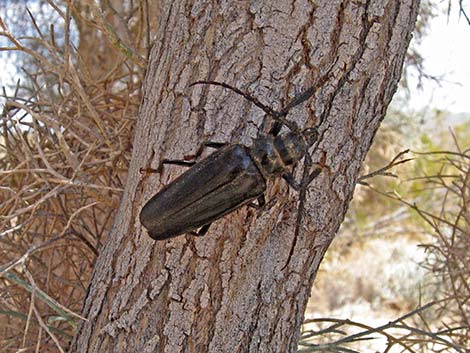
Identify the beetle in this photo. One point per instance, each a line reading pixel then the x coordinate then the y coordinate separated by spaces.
pixel 231 177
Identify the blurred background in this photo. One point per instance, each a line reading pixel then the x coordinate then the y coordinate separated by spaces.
pixel 404 242
pixel 396 278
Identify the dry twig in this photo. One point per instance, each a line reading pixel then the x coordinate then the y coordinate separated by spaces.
pixel 64 152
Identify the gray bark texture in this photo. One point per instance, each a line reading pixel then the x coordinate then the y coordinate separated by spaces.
pixel 236 289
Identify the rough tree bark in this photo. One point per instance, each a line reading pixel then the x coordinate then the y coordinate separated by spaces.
pixel 236 289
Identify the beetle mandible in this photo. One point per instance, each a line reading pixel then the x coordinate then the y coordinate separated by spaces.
pixel 231 177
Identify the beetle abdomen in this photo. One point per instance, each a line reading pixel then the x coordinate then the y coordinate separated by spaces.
pixel 217 185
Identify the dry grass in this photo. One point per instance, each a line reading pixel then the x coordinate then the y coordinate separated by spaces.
pixel 65 148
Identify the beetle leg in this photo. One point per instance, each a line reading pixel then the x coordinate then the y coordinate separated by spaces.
pixel 181 162
pixel 167 161
pixel 317 168
pixel 289 178
pixel 276 128
pixel 205 144
pixel 148 170
pixel 308 176
pixel 261 203
pixel 203 230
pixel 185 162
pixel 214 144
pixel 314 169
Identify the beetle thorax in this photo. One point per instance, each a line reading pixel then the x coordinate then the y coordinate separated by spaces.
pixel 274 155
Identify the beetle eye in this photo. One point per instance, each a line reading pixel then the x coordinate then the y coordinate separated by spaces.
pixel 311 135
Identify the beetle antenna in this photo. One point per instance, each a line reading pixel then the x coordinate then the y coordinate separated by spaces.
pixel 298 99
pixel 277 116
pixel 253 100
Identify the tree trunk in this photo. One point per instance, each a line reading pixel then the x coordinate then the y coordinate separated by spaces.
pixel 237 289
